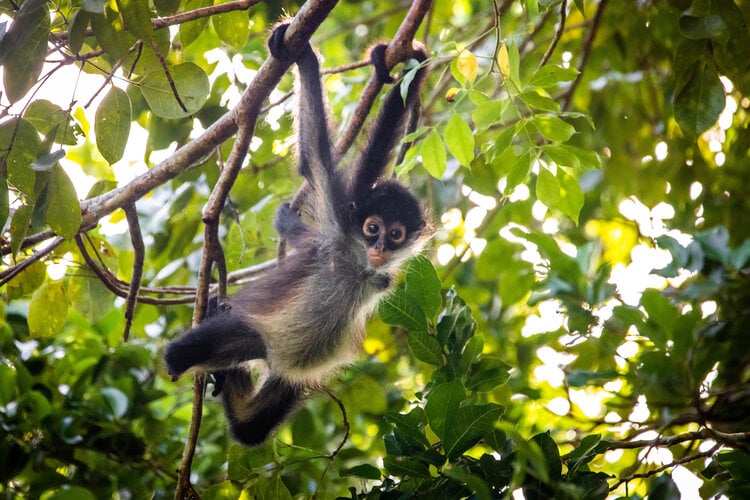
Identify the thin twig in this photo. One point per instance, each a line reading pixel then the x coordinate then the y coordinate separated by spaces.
pixel 558 33
pixel 139 252
pixel 567 97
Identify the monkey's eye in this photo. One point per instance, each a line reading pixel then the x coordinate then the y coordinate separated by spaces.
pixel 371 227
pixel 397 234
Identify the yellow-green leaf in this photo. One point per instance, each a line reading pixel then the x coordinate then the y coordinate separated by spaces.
pixel 433 154
pixel 48 309
pixel 467 65
pixel 547 188
pixel 459 139
pixel 232 27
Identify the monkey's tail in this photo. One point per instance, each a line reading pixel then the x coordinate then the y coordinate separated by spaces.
pixel 252 418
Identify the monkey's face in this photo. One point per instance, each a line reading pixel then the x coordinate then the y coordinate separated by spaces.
pixel 383 238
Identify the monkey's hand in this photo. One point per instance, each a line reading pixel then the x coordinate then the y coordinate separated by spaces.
pixel 289 224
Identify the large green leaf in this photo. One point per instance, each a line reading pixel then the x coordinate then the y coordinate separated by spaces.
pixel 191 85
pixel 425 347
pixel 465 427
pixel 232 27
pixel 137 18
pixel 700 101
pixel 398 308
pixel 423 285
pixel 442 402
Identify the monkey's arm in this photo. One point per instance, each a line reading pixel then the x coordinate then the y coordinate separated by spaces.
pixel 219 342
pixel 315 162
pixel 389 125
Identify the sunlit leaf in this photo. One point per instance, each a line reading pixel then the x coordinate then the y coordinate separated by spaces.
pixel 700 101
pixel 232 27
pixel 467 66
pixel 433 154
pixel 48 309
pixel 191 84
pixel 459 139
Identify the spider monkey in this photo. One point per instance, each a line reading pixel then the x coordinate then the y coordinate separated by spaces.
pixel 306 318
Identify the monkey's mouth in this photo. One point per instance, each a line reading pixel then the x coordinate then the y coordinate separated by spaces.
pixel 377 258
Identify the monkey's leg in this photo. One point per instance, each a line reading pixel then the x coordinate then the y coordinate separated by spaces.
pixel 252 419
pixel 221 341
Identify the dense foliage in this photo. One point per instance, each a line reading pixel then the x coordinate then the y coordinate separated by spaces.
pixel 579 329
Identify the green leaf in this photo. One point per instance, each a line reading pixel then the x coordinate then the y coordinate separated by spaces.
pixel 48 309
pixel 519 170
pixel 433 154
pixel 112 124
pixel 405 467
pixel 487 114
pixel 551 454
pixel 190 82
pixel 465 427
pixel 539 100
pixel 410 427
pixel 442 402
pixel 398 308
pixel 19 226
pixel 423 285
pixel 700 101
pixel 7 384
pixel 46 116
pixel 22 139
pixel 571 197
pixel 110 33
pixel 553 128
pixel 710 27
pixel 137 18
pixel 459 139
pixel 23 49
pixel 191 30
pixel 365 471
pixel 547 188
pixel 736 462
pixel 233 27
pixel 472 351
pixel 63 212
pixel 550 76
pixel 487 374
pixel 79 22
pixel 425 347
